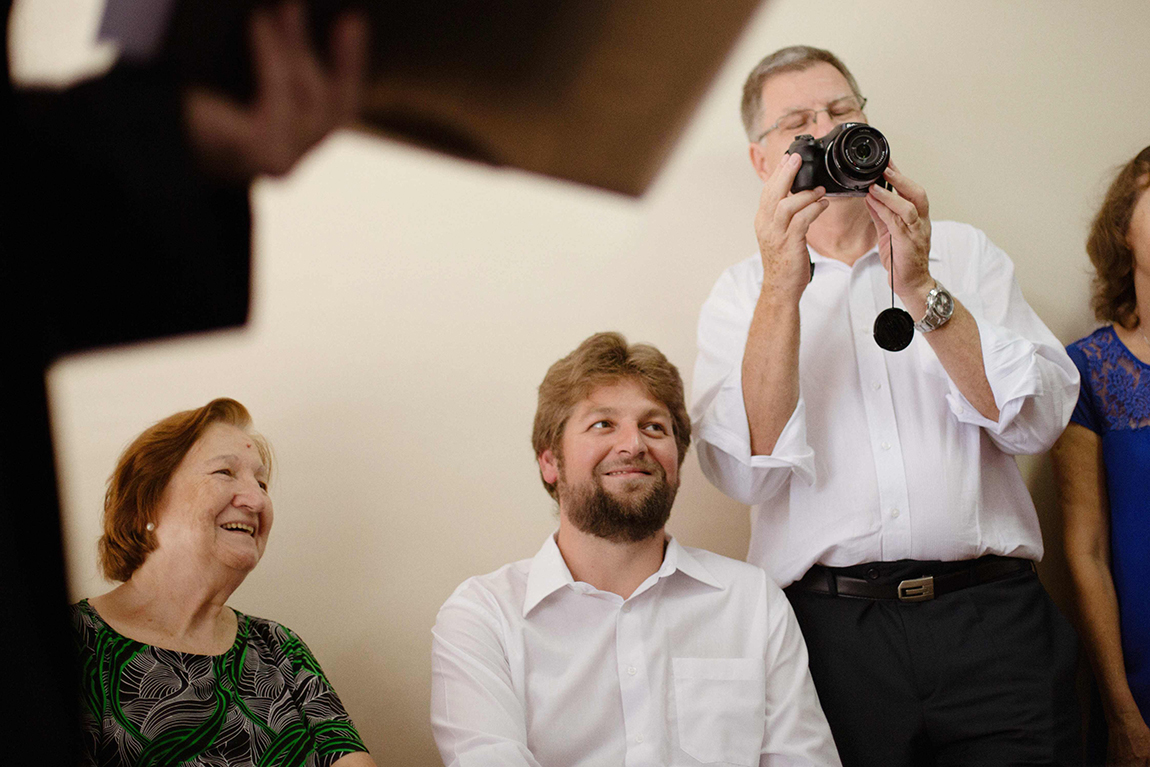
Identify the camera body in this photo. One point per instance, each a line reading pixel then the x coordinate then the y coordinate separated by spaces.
pixel 846 161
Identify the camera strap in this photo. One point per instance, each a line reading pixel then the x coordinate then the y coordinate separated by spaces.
pixel 893 327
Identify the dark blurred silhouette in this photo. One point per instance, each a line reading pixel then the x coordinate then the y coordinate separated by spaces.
pixel 127 219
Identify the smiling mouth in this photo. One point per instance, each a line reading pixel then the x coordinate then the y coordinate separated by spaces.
pixel 627 472
pixel 240 527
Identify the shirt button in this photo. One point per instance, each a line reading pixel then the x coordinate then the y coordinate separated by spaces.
pixel 894 513
pixel 626 607
pixel 886 446
pixel 632 670
pixel 638 738
pixel 876 386
pixel 961 410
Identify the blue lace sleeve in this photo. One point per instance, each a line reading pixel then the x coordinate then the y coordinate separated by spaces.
pixel 1085 412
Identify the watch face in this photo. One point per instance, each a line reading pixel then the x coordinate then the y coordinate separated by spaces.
pixel 943 303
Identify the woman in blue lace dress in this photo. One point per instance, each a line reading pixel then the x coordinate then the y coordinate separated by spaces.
pixel 1102 463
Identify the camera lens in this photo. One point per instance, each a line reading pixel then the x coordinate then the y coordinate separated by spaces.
pixel 861 152
pixel 857 155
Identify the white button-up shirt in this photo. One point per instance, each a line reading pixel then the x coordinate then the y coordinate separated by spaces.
pixel 884 458
pixel 703 664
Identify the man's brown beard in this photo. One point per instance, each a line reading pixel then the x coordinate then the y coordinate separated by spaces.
pixel 593 510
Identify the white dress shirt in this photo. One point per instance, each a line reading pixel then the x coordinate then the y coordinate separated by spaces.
pixel 883 458
pixel 703 664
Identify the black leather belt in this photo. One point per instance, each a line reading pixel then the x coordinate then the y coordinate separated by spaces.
pixel 825 580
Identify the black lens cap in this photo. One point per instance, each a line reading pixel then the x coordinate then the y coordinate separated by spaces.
pixel 893 329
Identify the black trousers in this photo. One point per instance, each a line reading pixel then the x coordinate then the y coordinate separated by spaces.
pixel 983 675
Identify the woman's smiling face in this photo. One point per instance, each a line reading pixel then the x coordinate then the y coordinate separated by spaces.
pixel 216 508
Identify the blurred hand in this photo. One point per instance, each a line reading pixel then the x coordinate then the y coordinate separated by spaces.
pixel 781 225
pixel 298 100
pixel 903 220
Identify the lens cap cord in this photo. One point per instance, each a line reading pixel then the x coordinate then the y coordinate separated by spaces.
pixel 893 327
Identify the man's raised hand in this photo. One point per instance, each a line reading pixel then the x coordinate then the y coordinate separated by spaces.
pixel 781 225
pixel 903 220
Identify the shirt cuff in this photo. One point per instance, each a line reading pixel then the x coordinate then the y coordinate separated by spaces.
pixel 724 426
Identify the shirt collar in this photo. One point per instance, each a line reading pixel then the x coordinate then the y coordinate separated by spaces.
pixel 547 575
pixel 549 572
pixel 819 257
pixel 678 558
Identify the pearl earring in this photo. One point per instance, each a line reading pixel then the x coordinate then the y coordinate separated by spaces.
pixel 150 526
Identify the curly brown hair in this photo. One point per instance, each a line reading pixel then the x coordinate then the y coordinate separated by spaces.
pixel 602 360
pixel 137 485
pixel 1109 246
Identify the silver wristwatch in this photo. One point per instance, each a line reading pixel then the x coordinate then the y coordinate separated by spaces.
pixel 939 308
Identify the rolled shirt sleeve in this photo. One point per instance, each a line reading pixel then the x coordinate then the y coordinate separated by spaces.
pixel 718 414
pixel 1034 382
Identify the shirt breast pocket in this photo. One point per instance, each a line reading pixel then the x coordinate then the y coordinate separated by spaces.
pixel 721 708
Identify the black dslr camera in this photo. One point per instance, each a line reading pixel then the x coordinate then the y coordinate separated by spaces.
pixel 846 161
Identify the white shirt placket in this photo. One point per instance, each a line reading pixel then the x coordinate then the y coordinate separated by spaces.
pixel 894 520
pixel 635 684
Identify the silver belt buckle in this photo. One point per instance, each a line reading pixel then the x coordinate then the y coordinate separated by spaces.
pixel 916 589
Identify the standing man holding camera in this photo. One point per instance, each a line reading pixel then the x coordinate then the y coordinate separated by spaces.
pixel 884 492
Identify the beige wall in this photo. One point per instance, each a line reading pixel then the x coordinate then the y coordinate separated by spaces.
pixel 407 306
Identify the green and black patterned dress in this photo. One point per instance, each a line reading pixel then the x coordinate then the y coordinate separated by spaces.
pixel 263 702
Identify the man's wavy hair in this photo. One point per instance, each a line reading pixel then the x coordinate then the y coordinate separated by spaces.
pixel 1109 245
pixel 137 485
pixel 602 360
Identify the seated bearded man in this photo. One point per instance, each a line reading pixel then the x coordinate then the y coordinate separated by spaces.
pixel 615 644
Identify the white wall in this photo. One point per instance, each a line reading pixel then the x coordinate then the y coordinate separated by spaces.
pixel 407 305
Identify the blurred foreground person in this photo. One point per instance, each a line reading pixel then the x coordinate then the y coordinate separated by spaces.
pixel 1102 462
pixel 127 219
pixel 170 673
pixel 615 644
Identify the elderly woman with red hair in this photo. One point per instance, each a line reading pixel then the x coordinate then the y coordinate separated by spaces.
pixel 1102 462
pixel 170 673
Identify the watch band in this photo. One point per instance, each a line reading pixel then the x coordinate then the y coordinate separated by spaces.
pixel 939 309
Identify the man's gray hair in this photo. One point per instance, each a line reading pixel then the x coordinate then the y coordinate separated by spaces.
pixel 796 58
